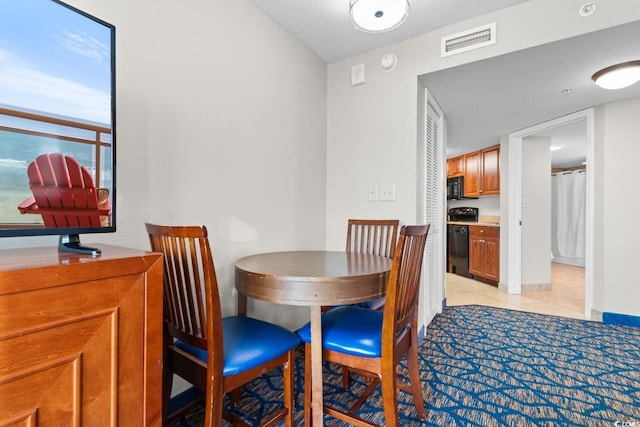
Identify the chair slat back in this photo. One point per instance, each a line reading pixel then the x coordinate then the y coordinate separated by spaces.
pixel 374 237
pixel 192 301
pixel 402 295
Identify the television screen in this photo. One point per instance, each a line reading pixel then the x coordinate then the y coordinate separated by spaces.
pixel 57 120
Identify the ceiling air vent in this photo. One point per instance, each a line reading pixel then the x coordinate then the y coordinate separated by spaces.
pixel 469 40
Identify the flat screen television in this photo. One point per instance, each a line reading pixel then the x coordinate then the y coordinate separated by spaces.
pixel 57 122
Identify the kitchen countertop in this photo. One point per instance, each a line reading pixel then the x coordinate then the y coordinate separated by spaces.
pixel 486 224
pixel 484 220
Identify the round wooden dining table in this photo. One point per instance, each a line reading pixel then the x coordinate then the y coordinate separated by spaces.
pixel 314 279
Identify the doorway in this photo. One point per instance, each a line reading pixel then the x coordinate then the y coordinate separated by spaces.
pixel 517 202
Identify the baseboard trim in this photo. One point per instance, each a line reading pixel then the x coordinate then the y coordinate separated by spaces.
pixel 525 287
pixel 529 287
pixel 621 319
pixel 596 315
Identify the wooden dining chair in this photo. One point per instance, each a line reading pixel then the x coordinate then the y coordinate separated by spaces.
pixel 375 237
pixel 372 236
pixel 215 354
pixel 376 341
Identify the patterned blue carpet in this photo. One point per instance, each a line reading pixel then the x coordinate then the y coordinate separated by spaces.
pixel 483 366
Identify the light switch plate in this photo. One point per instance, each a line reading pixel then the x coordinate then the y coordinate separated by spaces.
pixel 373 193
pixel 387 192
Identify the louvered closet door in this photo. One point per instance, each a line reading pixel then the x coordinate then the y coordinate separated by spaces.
pixel 433 268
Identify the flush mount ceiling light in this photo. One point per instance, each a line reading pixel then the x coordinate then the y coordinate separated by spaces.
pixel 618 76
pixel 376 16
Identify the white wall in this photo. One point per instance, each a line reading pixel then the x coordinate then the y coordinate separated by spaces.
pixel 616 173
pixel 223 116
pixel 221 121
pixel 372 132
pixel 536 212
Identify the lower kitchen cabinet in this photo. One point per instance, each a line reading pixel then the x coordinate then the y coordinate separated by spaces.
pixel 484 253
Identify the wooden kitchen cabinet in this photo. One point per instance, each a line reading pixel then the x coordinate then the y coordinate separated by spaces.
pixel 80 338
pixel 482 172
pixel 484 253
pixel 455 166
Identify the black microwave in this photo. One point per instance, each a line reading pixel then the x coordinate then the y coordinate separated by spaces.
pixel 455 188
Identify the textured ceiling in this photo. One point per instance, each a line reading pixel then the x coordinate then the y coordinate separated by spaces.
pixel 485 99
pixel 324 25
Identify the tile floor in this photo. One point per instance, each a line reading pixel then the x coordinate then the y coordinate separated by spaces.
pixel 565 298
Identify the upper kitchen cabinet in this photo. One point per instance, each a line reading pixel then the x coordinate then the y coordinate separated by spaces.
pixel 455 167
pixel 482 172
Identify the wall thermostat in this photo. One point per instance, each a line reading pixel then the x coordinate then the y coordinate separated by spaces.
pixel 357 75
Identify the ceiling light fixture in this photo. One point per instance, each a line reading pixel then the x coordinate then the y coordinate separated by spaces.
pixel 618 76
pixel 587 9
pixel 376 16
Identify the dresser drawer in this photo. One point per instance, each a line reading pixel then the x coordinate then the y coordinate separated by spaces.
pixel 484 231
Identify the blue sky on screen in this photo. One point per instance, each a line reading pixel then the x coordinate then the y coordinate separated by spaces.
pixel 54 60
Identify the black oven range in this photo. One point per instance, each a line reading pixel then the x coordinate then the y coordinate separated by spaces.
pixel 458 239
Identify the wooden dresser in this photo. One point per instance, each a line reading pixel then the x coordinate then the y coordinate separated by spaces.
pixel 80 338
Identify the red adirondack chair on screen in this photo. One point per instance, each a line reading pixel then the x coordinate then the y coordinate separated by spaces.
pixel 64 194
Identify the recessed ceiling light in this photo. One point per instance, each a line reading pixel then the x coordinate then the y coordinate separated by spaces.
pixel 555 147
pixel 587 9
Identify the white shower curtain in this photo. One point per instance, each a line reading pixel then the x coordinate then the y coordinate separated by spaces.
pixel 568 230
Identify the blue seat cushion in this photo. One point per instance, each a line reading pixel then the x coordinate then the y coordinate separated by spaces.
pixel 349 329
pixel 247 343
